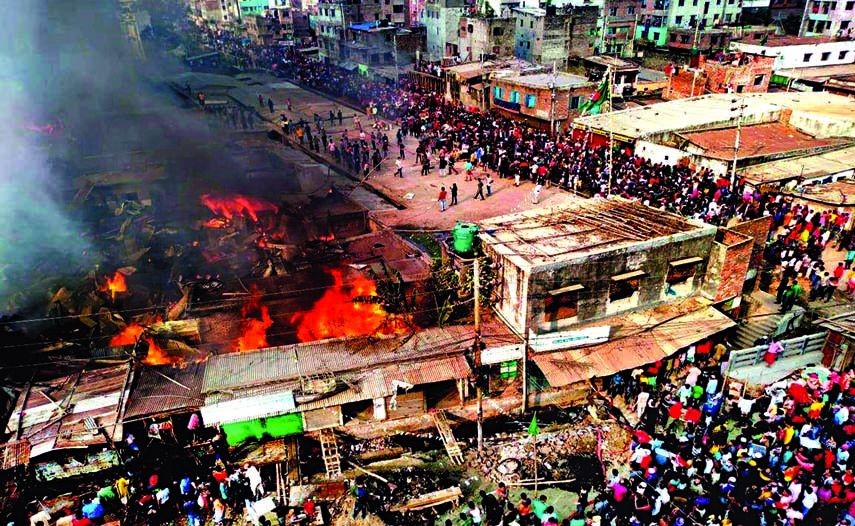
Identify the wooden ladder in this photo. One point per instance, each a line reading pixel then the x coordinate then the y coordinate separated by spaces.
pixel 329 449
pixel 447 436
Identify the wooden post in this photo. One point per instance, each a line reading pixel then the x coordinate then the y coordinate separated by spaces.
pixel 477 357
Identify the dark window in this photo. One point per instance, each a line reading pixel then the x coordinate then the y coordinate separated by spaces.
pixel 397 8
pixel 613 11
pixel 498 31
pixel 562 303
pixel 807 57
pixel 842 55
pixel 469 28
pixel 825 56
pixel 850 6
pixel 758 80
pixel 684 39
pixel 574 102
pixel 625 285
pixel 673 37
pixel 681 271
pixel 757 36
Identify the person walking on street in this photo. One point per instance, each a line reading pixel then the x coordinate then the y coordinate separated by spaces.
pixel 401 151
pixel 426 166
pixel 443 166
pixel 399 168
pixel 332 117
pixel 288 103
pixel 270 104
pixel 480 191
pixel 488 182
pixel 453 194
pixel 339 115
pixel 443 195
pixel 260 100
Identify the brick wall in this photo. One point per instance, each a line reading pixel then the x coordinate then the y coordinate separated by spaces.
pixel 758 230
pixel 541 110
pixel 728 264
pixel 715 77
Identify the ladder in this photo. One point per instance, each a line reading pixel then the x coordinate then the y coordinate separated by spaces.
pixel 447 436
pixel 329 450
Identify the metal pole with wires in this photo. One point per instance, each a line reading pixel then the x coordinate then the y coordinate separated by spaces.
pixel 610 78
pixel 740 107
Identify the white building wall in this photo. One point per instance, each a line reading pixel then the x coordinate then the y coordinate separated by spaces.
pixel 803 55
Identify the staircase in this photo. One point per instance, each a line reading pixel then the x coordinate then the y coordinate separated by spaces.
pixel 447 436
pixel 762 322
pixel 329 450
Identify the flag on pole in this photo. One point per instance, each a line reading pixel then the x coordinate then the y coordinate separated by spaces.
pixel 532 429
pixel 594 105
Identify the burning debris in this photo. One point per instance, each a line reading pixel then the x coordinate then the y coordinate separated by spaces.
pixel 115 284
pixel 235 205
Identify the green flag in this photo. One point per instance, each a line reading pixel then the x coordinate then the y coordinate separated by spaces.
pixel 532 429
pixel 594 105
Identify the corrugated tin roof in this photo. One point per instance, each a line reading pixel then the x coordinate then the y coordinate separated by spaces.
pixel 363 385
pixel 55 412
pixel 278 364
pixel 154 393
pixel 575 365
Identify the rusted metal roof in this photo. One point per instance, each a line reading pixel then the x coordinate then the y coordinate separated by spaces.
pixel 632 346
pixel 14 454
pixel 758 140
pixel 53 415
pixel 157 389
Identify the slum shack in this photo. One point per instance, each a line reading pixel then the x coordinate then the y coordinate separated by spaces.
pixel 71 422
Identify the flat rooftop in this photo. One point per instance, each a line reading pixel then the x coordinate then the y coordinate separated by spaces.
pixel 546 236
pixel 615 62
pixel 542 80
pixel 758 140
pixel 797 41
pixel 709 110
pixel 838 193
pixel 809 167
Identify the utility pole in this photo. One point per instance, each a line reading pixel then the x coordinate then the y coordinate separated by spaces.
pixel 741 108
pixel 476 278
pixel 129 24
pixel 610 88
pixel 552 101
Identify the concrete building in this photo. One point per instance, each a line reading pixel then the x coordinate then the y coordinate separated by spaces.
pixel 625 73
pixel 702 130
pixel 373 44
pixel 732 74
pixel 793 53
pixel 219 12
pixel 440 18
pixel 619 20
pixel 486 38
pixel 579 280
pixel 543 100
pixel 553 35
pixel 660 17
pixel 250 8
pixel 332 19
pixel 470 83
pixel 275 27
pixel 831 18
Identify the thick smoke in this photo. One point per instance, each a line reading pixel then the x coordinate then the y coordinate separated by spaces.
pixel 37 240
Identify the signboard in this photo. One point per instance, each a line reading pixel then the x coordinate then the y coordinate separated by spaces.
pixel 504 353
pixel 565 339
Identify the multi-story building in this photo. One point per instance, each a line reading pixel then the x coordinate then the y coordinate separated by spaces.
pixel 794 53
pixel 372 44
pixel 219 12
pixel 440 18
pixel 543 100
pixel 250 8
pixel 276 26
pixel 555 35
pixel 486 37
pixel 332 19
pixel 744 74
pixel 660 17
pixel 828 18
pixel 619 20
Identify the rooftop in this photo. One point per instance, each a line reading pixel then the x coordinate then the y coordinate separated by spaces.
pixel 796 41
pixel 52 415
pixel 838 193
pixel 818 73
pixel 547 236
pixel 615 62
pixel 534 11
pixel 278 364
pixel 542 80
pixel 809 167
pixel 758 140
pixel 709 110
pixel 656 334
pixel 162 389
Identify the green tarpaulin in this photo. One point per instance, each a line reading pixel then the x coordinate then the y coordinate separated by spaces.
pixel 273 427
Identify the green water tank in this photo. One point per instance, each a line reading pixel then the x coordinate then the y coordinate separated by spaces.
pixel 464 235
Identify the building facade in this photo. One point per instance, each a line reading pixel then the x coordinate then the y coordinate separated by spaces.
pixel 486 38
pixel 543 100
pixel 619 20
pixel 440 18
pixel 660 17
pixel 332 19
pixel 554 35
pixel 794 53
pixel 828 18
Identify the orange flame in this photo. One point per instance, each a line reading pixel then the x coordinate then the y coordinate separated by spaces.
pixel 156 355
pixel 232 205
pixel 256 321
pixel 115 284
pixel 129 336
pixel 343 310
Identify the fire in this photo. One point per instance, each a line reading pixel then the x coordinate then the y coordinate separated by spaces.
pixel 232 205
pixel 156 355
pixel 344 310
pixel 129 336
pixel 256 321
pixel 115 284
pixel 216 223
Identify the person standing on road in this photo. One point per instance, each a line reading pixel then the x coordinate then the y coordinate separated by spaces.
pixel 288 103
pixel 270 104
pixel 480 191
pixel 339 114
pixel 453 193
pixel 443 166
pixel 443 195
pixel 488 182
pixel 260 100
pixel 399 168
